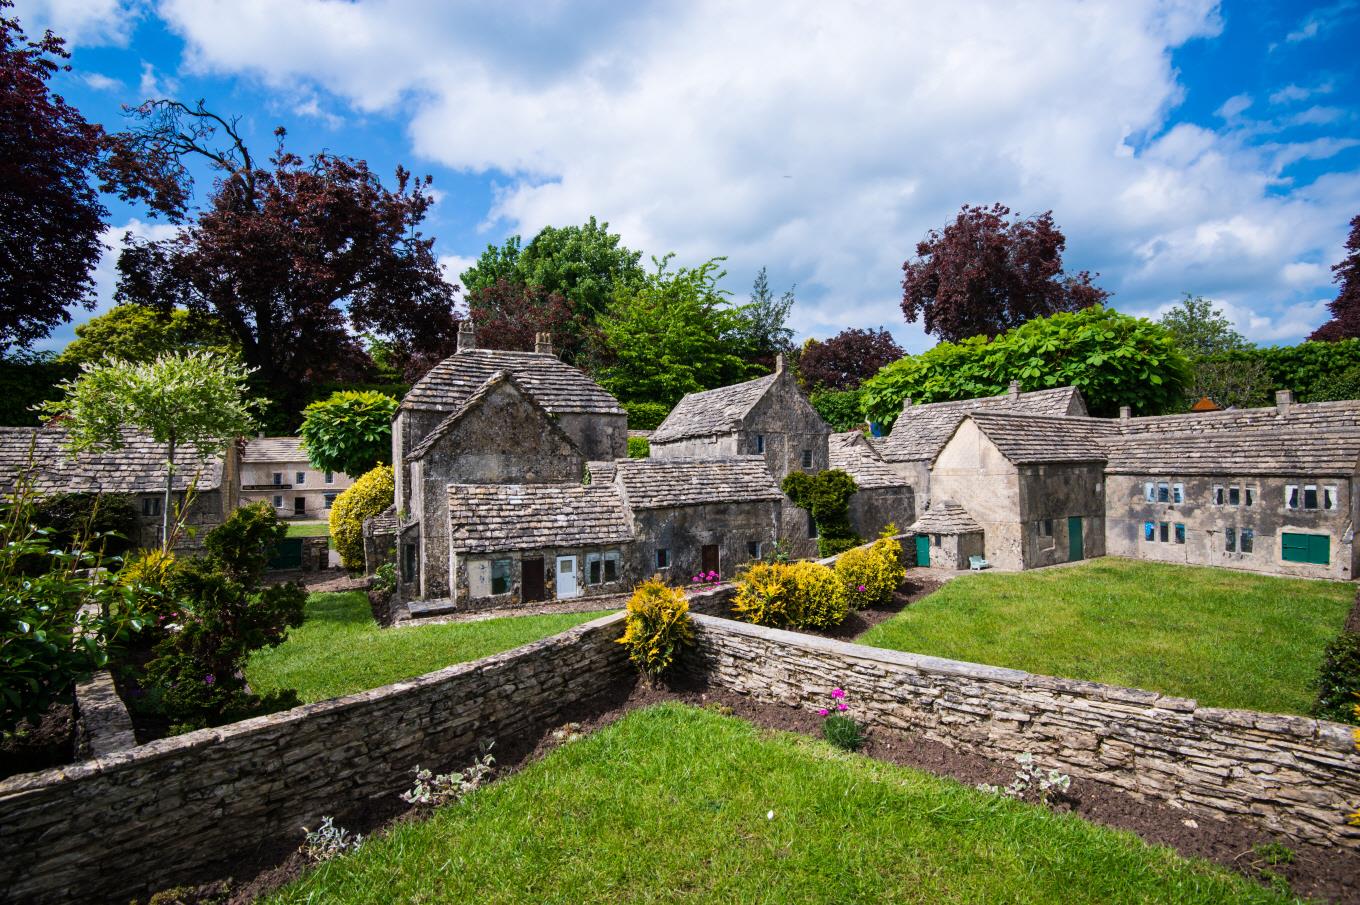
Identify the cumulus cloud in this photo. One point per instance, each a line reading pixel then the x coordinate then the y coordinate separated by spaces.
pixel 822 140
pixel 83 22
pixel 1233 106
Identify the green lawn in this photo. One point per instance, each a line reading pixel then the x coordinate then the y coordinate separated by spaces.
pixel 308 529
pixel 673 804
pixel 340 649
pixel 1226 638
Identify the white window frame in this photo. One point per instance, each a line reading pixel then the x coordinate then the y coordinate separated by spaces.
pixel 330 477
pixel 1150 492
pixel 1178 493
pixel 1329 497
pixel 1246 540
pixel 278 501
pixel 278 479
pixel 594 559
pixel 1238 488
pixel 328 500
pixel 301 478
pixel 1304 500
pixel 615 557
pixel 1220 496
pixel 1291 496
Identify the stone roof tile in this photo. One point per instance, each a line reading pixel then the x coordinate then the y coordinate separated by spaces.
pixel 712 412
pixel 664 483
pixel 852 453
pixel 556 385
pixel 922 430
pixel 273 449
pixel 489 518
pixel 944 517
pixel 139 467
pixel 1036 439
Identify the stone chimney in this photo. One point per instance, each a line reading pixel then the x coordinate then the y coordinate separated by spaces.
pixel 543 343
pixel 1125 413
pixel 467 336
pixel 779 363
pixel 1014 390
pixel 1284 400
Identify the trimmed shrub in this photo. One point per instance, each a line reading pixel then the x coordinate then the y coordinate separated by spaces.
pixel 639 448
pixel 1339 680
pixel 350 432
pixel 368 496
pixel 826 497
pixel 872 574
pixel 796 595
pixel 657 626
pixel 243 545
pixel 645 416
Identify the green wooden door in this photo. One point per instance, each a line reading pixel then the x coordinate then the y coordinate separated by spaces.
pixel 1075 546
pixel 1309 548
pixel 922 550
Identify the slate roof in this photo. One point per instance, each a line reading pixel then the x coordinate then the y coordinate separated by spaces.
pixel 488 518
pixel 712 412
pixel 922 430
pixel 557 386
pixel 1262 449
pixel 602 472
pixel 1035 439
pixel 852 453
pixel 273 449
pixel 471 402
pixel 944 517
pixel 664 483
pixel 139 467
pixel 385 522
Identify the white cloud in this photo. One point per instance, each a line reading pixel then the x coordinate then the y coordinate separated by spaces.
pixel 83 22
pixel 154 84
pixel 1233 106
pixel 100 82
pixel 1291 93
pixel 822 140
pixel 1319 21
pixel 454 265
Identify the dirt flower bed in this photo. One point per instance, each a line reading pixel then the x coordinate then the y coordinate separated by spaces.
pixel 51 743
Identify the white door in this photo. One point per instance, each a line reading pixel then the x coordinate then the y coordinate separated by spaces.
pixel 566 578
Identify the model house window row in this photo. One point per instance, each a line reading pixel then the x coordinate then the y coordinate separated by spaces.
pixel 1234 495
pixel 602 567
pixel 1164 492
pixel 1310 496
pixel 1239 540
pixel 1164 532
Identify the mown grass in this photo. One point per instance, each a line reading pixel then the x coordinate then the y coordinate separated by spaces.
pixel 339 649
pixel 674 804
pixel 1226 638
pixel 308 529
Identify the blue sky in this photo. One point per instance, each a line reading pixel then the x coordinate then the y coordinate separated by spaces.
pixel 1182 146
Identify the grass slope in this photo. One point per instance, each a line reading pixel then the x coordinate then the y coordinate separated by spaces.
pixel 1226 638
pixel 308 529
pixel 340 649
pixel 671 804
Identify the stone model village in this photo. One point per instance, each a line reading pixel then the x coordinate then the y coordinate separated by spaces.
pixel 512 484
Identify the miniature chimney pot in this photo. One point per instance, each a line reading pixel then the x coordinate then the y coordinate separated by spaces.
pixel 1283 400
pixel 1014 390
pixel 543 343
pixel 1125 413
pixel 467 337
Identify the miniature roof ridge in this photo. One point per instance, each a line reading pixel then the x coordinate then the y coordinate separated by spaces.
pixel 558 387
pixel 273 449
pixel 478 396
pixel 708 412
pixel 945 517
pixel 922 430
pixel 139 467
pixel 851 452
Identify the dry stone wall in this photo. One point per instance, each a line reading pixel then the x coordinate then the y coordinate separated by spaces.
pixel 200 804
pixel 1291 775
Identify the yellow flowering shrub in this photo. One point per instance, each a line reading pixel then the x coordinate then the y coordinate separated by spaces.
pixel 658 624
pixel 368 496
pixel 791 595
pixel 872 574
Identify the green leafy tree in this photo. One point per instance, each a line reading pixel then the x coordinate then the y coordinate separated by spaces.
pixel 841 409
pixel 1204 334
pixel 588 265
pixel 196 399
pixel 1314 371
pixel 674 334
pixel 350 432
pixel 1200 328
pixel 140 333
pixel 826 497
pixel 1114 359
pixel 27 380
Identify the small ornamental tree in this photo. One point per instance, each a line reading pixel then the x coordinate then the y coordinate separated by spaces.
pixel 366 497
pixel 196 399
pixel 351 432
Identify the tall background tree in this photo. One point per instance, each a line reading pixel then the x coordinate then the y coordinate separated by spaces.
pixel 294 256
pixel 1208 340
pixel 1345 308
pixel 50 214
pixel 832 371
pixel 768 333
pixel 986 272
pixel 138 333
pixel 509 314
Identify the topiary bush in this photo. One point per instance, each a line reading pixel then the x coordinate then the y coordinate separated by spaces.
pixel 1339 680
pixel 350 432
pixel 791 595
pixel 657 626
pixel 826 497
pixel 368 496
pixel 872 574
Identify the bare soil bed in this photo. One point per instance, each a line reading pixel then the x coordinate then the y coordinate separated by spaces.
pixel 49 744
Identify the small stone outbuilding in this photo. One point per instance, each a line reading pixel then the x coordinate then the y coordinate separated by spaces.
pixel 945 537
pixel 884 497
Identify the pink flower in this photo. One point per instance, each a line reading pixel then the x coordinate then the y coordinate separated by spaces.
pixel 824 712
pixel 209 679
pixel 842 706
pixel 838 692
pixel 862 589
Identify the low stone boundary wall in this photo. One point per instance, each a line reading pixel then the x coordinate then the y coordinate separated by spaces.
pixel 1292 775
pixel 163 813
pixel 103 725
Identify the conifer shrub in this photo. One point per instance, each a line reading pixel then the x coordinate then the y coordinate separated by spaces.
pixel 872 574
pixel 1339 680
pixel 657 626
pixel 373 492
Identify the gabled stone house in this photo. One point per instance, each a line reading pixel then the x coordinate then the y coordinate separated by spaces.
pixel 883 497
pixel 38 455
pixel 275 470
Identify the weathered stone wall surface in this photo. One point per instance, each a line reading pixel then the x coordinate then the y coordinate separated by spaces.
pixel 873 508
pixel 685 530
pixel 1059 492
pixel 1291 775
pixel 145 819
